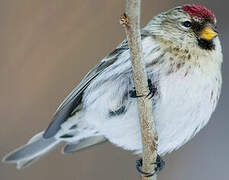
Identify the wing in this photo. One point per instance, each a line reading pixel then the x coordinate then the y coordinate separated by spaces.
pixel 72 101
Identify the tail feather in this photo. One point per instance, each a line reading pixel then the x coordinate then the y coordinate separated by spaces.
pixel 82 144
pixel 36 147
pixel 26 163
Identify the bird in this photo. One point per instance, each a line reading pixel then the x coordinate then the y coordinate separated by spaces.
pixel 183 58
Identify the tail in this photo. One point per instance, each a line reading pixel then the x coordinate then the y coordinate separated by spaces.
pixel 39 146
pixel 32 151
pixel 82 144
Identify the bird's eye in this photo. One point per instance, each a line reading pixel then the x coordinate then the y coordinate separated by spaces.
pixel 187 24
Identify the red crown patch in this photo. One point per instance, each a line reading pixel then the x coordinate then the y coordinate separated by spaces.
pixel 198 11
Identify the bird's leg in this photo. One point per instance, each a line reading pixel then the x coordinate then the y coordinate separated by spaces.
pixel 152 91
pixel 159 166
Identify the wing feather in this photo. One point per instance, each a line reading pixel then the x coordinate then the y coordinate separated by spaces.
pixel 74 98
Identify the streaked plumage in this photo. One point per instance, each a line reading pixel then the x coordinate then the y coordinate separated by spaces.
pixel 185 70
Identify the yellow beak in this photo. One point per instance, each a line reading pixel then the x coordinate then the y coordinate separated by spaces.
pixel 208 33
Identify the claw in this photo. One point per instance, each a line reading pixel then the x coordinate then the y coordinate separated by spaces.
pixel 152 89
pixel 133 93
pixel 159 166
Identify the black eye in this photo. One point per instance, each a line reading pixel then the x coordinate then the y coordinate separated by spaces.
pixel 187 24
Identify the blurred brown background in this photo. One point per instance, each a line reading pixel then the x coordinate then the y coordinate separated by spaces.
pixel 46 47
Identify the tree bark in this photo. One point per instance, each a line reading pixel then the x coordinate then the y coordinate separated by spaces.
pixel 131 22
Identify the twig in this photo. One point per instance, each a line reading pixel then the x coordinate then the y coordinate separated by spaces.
pixel 131 22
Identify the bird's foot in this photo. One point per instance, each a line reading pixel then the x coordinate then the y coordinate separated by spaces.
pixel 152 91
pixel 133 93
pixel 159 166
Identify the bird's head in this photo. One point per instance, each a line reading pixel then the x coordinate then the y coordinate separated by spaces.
pixel 187 26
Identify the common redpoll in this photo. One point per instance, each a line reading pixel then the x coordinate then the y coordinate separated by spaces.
pixel 183 57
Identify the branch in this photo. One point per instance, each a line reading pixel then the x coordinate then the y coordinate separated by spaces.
pixel 131 22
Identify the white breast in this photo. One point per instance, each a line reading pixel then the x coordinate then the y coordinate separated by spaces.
pixel 186 104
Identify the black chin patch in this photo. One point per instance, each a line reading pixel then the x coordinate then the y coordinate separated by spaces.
pixel 206 44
